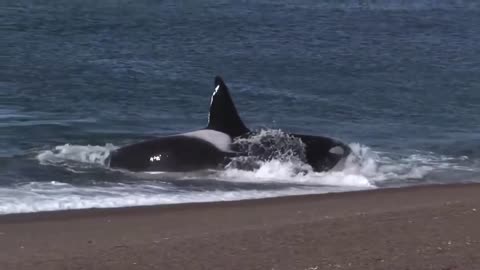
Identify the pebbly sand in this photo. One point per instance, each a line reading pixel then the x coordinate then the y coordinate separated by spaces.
pixel 429 227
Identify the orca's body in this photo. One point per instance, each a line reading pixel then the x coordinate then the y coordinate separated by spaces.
pixel 179 153
pixel 211 148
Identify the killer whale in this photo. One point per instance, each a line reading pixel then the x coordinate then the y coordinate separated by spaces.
pixel 213 147
pixel 208 148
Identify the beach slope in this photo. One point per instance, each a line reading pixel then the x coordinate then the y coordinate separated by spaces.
pixel 430 227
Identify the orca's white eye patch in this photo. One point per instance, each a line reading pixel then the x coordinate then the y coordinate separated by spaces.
pixel 337 150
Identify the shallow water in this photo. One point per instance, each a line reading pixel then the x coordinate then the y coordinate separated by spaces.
pixel 397 80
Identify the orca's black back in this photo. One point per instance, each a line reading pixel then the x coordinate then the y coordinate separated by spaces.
pixel 172 153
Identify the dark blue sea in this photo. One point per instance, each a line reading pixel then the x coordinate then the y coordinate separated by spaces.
pixel 397 80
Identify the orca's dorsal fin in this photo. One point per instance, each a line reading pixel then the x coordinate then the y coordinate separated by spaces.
pixel 223 115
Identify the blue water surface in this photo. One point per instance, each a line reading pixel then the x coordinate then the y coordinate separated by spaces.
pixel 399 80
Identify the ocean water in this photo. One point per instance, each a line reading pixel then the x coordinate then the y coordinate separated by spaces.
pixel 398 80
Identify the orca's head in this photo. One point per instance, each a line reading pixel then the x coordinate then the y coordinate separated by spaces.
pixel 324 153
pixel 331 158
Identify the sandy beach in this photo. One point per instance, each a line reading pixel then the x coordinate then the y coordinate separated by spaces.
pixel 429 227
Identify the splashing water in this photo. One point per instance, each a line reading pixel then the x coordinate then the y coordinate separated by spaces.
pixel 79 156
pixel 267 145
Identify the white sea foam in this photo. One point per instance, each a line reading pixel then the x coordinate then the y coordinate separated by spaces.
pixel 53 196
pixel 85 154
pixel 275 171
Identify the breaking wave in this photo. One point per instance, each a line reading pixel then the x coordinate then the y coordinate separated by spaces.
pixel 54 196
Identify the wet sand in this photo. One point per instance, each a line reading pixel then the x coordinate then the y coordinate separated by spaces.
pixel 430 227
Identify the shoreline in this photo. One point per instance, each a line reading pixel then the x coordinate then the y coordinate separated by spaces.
pixel 421 227
pixel 78 212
